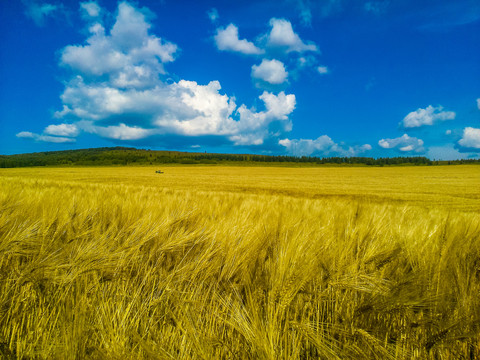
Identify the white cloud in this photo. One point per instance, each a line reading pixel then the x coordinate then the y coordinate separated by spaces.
pixel 252 126
pixel 322 146
pixel 44 138
pixel 39 12
pixel 271 71
pixel 25 134
pixel 470 138
pixel 282 36
pixel 128 56
pixel 91 9
pixel 54 139
pixel 448 132
pixel 403 143
pixel 478 103
pixel 117 92
pixel 278 106
pixel 227 40
pixel 183 108
pixel 279 42
pixel 62 130
pixel 117 132
pixel 322 70
pixel 427 116
pixel 213 14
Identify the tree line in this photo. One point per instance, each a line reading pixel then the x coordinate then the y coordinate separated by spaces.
pixel 132 156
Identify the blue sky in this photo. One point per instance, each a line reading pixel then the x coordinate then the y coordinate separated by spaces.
pixel 322 78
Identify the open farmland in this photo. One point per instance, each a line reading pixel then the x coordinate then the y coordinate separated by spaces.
pixel 240 263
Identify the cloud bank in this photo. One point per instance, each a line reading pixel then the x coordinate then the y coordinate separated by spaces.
pixel 321 146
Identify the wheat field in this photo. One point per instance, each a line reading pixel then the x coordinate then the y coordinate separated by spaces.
pixel 240 263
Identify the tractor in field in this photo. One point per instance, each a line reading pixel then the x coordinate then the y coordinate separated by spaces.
pixel 159 172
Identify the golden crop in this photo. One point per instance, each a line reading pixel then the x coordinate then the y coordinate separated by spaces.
pixel 240 263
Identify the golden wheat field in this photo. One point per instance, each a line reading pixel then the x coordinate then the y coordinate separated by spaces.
pixel 240 263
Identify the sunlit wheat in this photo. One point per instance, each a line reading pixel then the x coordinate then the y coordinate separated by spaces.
pixel 240 263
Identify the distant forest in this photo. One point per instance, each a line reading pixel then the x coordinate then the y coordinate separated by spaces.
pixel 132 156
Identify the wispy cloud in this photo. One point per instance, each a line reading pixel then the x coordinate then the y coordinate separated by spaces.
pixel 376 7
pixel 304 8
pixel 90 9
pixel 445 15
pixel 213 15
pixel 45 137
pixel 322 69
pixel 39 12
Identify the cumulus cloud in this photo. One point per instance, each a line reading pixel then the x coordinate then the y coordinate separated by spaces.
pixel 39 12
pixel 322 146
pixel 271 71
pixel 62 130
pixel 470 138
pixel 427 116
pixel 280 42
pixel 128 56
pixel 253 127
pixel 118 91
pixel 403 143
pixel 478 103
pixel 283 37
pixel 183 108
pixel 280 37
pixel 227 40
